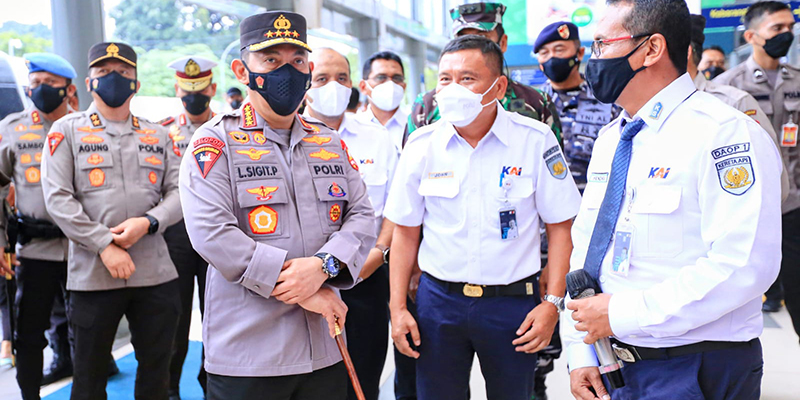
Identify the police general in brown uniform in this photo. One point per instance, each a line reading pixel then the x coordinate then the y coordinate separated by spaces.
pixel 276 205
pixel 110 181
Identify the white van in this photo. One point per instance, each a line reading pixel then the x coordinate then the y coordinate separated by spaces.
pixel 13 78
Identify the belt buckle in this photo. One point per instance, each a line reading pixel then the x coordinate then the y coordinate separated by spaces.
pixel 471 290
pixel 626 355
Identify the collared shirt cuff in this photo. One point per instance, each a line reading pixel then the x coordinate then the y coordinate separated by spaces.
pixel 99 245
pixel 622 314
pixel 581 355
pixel 262 273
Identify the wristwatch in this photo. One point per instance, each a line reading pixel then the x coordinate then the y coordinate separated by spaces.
pixel 330 264
pixel 153 224
pixel 557 301
pixel 385 251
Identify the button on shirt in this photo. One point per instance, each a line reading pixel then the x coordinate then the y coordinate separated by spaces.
pixel 370 146
pixel 705 244
pixel 396 125
pixel 455 192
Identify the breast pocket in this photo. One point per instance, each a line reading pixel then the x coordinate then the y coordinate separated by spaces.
pixel 440 200
pixel 333 193
pixel 658 227
pixel 376 189
pixel 151 170
pixel 95 171
pixel 263 208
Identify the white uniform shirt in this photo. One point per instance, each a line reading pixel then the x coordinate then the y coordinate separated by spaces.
pixel 455 193
pixel 703 197
pixel 369 145
pixel 396 126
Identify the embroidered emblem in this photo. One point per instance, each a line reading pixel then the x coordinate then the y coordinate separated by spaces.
pixel 334 190
pixel 95 118
pixel 349 158
pixel 53 140
pixel 263 220
pixel 206 153
pixel 89 129
pixel 259 137
pixel 249 116
pixel 563 31
pixel 335 213
pixel 730 150
pixel 656 111
pixel 35 117
pixel 135 122
pixel 736 175
pixel 240 137
pixel 263 193
pixel 38 157
pixel 32 175
pixel 145 131
pixel 323 154
pixel 25 159
pixel 254 154
pixel 97 177
pixel 320 140
pixel 95 159
pixel 308 127
pixel 20 128
pixel 147 139
pixel 153 160
pixel 91 138
pixel 556 166
pixel 152 177
pixel 30 137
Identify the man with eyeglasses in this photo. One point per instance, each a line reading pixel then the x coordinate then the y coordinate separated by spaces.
pixel 681 240
pixel 776 86
pixel 384 84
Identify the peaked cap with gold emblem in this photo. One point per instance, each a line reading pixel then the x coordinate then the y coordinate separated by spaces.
pixel 117 50
pixel 193 73
pixel 257 32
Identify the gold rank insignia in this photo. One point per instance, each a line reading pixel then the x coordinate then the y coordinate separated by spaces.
pixel 191 68
pixel 324 155
pixel 320 140
pixel 254 154
pixel 263 193
pixel 95 119
pixel 30 137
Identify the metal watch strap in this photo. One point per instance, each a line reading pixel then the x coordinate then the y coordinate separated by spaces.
pixel 557 301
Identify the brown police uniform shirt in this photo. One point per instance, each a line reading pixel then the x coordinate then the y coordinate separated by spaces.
pixel 22 140
pixel 97 174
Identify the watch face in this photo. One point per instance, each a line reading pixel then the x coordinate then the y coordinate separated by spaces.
pixel 332 266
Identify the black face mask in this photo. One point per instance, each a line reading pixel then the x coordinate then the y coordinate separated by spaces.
pixel 608 77
pixel 114 88
pixel 559 69
pixel 713 72
pixel 777 46
pixel 47 98
pixel 236 104
pixel 283 88
pixel 196 103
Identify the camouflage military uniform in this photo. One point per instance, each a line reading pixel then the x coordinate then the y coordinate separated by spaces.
pixel 519 98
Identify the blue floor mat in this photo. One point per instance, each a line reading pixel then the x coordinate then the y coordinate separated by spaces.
pixel 120 386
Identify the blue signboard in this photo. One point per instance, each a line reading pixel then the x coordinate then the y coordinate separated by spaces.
pixel 733 15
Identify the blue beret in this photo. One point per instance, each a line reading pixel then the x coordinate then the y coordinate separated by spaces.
pixel 51 63
pixel 554 32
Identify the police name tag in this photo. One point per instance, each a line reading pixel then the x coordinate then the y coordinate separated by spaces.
pixel 623 238
pixel 789 135
pixel 508 223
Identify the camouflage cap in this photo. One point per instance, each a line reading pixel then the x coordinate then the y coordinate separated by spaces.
pixel 482 16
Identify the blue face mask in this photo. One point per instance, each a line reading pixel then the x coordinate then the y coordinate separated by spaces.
pixel 283 88
pixel 114 89
pixel 47 98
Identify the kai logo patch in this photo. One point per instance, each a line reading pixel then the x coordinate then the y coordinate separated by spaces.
pixel 511 171
pixel 95 159
pixel 207 151
pixel 30 137
pixel 263 220
pixel 263 193
pixel 254 154
pixel 53 140
pixel 655 113
pixel 323 154
pixel 239 137
pixel 736 175
pixel 658 172
pixel 335 213
pixel 366 161
pixel 320 140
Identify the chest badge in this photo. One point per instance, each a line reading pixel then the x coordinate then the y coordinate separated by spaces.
pixel 91 138
pixel 736 175
pixel 33 175
pixel 323 154
pixel 335 213
pixel 95 159
pixel 320 140
pixel 263 220
pixel 207 151
pixel 97 177
pixel 334 190
pixel 254 154
pixel 263 193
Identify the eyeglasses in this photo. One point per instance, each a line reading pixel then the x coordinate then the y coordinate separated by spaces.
pixel 598 45
pixel 381 78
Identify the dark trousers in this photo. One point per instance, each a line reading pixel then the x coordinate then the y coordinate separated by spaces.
pixel 729 374
pixel 152 314
pixel 367 328
pixel 40 284
pixel 405 376
pixel 453 328
pixel 6 305
pixel 549 354
pixel 790 266
pixel 58 333
pixel 191 267
pixel 324 384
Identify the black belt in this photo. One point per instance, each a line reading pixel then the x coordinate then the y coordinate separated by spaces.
pixel 630 353
pixel 524 287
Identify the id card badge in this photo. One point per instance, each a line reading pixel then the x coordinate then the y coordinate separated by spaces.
pixel 789 138
pixel 508 223
pixel 623 238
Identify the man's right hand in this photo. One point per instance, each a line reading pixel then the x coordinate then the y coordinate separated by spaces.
pixel 403 323
pixel 6 269
pixel 117 261
pixel 581 380
pixel 327 303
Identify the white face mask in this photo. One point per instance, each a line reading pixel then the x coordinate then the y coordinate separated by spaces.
pixel 386 96
pixel 329 100
pixel 459 105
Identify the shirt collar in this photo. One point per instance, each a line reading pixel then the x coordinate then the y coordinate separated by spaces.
pixel 398 117
pixel 99 121
pixel 659 107
pixel 347 125
pixel 700 81
pixel 249 120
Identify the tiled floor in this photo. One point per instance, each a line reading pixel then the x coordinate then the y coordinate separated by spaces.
pixel 781 366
